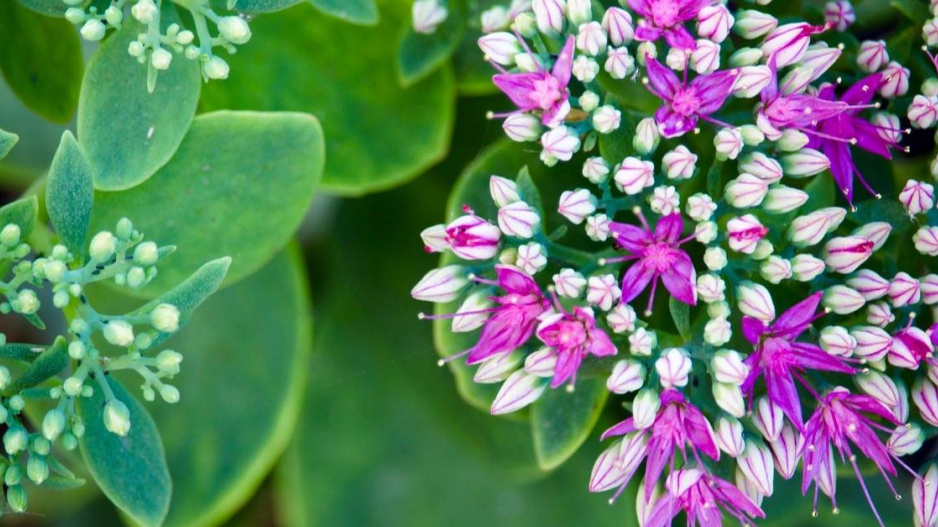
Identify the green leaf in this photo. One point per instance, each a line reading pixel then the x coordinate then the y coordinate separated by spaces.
pixel 528 191
pixel 380 135
pixel 46 365
pixel 127 132
pixel 130 470
pixel 46 7
pixel 22 212
pixel 44 66
pixel 820 192
pixel 419 54
pixel 680 313
pixel 912 9
pixel 630 94
pixel 239 185
pixel 561 421
pixel 189 295
pixel 363 12
pixel 246 356
pixel 70 194
pixel 21 352
pixel 258 6
pixel 7 142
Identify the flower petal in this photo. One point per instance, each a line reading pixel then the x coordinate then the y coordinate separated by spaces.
pixel 635 280
pixel 664 81
pixel 564 64
pixel 680 278
pixel 630 237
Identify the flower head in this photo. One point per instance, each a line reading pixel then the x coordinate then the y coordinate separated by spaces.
pixel 543 91
pixel 686 102
pixel 573 336
pixel 666 18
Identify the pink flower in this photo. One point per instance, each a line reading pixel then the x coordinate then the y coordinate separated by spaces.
pixel 685 102
pixel 658 255
pixel 573 336
pixel 667 17
pixel 780 359
pixel 701 496
pixel 677 426
pixel 839 422
pixel 513 319
pixel 786 44
pixel 542 90
pixel 472 238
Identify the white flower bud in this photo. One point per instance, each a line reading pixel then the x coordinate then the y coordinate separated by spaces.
pixel 925 397
pixel 751 24
pixel 787 449
pixel 518 219
pixel 145 11
pixel 427 15
pixel 518 391
pixel 597 227
pixel 714 258
pixel 621 319
pixel 929 289
pixel 441 285
pixel 904 290
pixel 842 300
pixel 504 191
pixel 810 229
pixel 781 199
pixel 500 47
pixel 618 24
pixel 729 436
pixel 569 283
pixel 705 232
pixel 531 258
pixel 869 284
pixel 645 408
pixel 522 127
pixel 585 69
pixel 728 367
pixel 576 205
pixel 757 465
pixel 879 314
pixel 872 55
pixel 642 342
pixel 634 175
pixel 807 162
pixel 717 332
pixel 627 376
pixel 837 341
pixel 926 240
pixel 917 197
pixel 845 254
pixel 752 135
pixel 895 81
pixel 729 398
pixel 792 140
pixel 710 288
pixel 595 170
pixel 673 368
pixel 728 143
pixel 872 343
pixel 93 30
pixel 603 291
pixel 906 440
pixel 775 269
pixel 473 318
pixel 714 22
pixel 923 112
pixel 591 39
pixel 706 58
pixel 768 418
pixel 744 57
pixel 619 63
pixel 118 333
pixel 117 417
pixel 606 119
pixel 560 143
pixel 664 200
pixel 102 246
pixel 755 301
pixel 216 68
pixel 234 29
pixel 53 424
pixel 680 164
pixel 746 191
pixel 646 136
pixel 879 387
pixel 497 368
pixel 165 318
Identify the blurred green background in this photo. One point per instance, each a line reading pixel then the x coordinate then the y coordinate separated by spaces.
pixel 353 424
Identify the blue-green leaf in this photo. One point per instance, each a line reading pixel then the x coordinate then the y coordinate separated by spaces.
pixel 22 212
pixel 7 142
pixel 680 313
pixel 127 132
pixel 420 54
pixel 363 12
pixel 70 194
pixel 47 364
pixel 130 470
pixel 561 420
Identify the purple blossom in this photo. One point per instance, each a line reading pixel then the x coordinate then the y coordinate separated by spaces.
pixel 573 336
pixel 838 422
pixel 685 102
pixel 701 496
pixel 513 319
pixel 787 106
pixel 780 360
pixel 835 134
pixel 658 255
pixel 544 91
pixel 666 18
pixel 677 426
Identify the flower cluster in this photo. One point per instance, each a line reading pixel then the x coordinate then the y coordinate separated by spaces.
pixel 156 47
pixel 95 346
pixel 798 337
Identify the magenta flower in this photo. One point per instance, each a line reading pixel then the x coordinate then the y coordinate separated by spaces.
pixel 838 422
pixel 787 106
pixel 701 496
pixel 780 360
pixel 667 17
pixel 658 255
pixel 835 134
pixel 544 91
pixel 685 102
pixel 573 336
pixel 678 425
pixel 513 319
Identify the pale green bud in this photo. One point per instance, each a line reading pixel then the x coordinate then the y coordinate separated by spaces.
pixel 117 417
pixel 234 29
pixel 17 403
pixel 72 386
pixel 168 360
pixel 54 271
pixel 5 377
pixel 215 68
pixel 119 333
pixel 61 299
pixel 16 497
pixel 53 424
pixel 10 235
pixel 37 469
pixel 26 302
pixel 93 30
pixel 102 246
pixel 113 15
pixel 136 277
pixel 13 475
pixel 75 15
pixel 14 441
pixel 169 394
pixel 146 254
pixel 69 441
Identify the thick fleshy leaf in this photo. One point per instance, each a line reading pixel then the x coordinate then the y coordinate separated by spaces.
pixel 22 212
pixel 47 364
pixel 363 12
pixel 7 142
pixel 238 186
pixel 379 135
pixel 127 132
pixel 70 194
pixel 130 470
pixel 256 6
pixel 44 66
pixel 245 361
pixel 46 7
pixel 680 314
pixel 420 55
pixel 561 421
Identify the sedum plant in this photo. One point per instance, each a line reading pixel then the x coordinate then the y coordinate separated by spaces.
pixel 695 264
